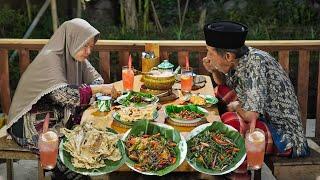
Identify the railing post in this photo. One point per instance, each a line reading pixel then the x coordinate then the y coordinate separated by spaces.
pixel 24 60
pixel 202 69
pixel 105 65
pixel 182 58
pixel 4 81
pixel 284 60
pixel 123 58
pixel 164 55
pixel 303 82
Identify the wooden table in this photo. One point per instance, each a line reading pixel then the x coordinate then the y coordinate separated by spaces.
pixel 213 116
pixel 207 90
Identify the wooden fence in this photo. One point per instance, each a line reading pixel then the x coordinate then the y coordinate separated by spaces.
pixel 282 49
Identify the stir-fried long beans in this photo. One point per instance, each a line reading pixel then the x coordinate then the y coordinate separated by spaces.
pixel 213 150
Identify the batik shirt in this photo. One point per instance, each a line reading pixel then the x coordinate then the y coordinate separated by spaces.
pixel 263 86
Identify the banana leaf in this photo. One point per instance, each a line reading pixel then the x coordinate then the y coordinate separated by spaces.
pixel 146 127
pixel 126 98
pixel 117 117
pixel 229 132
pixel 111 166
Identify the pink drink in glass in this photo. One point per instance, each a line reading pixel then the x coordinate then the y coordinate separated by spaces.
pixel 48 147
pixel 186 79
pixel 127 78
pixel 255 146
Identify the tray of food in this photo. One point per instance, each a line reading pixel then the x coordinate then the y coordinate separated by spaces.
pixel 186 114
pixel 137 99
pixel 127 115
pixel 90 151
pixel 154 148
pixel 199 99
pixel 215 148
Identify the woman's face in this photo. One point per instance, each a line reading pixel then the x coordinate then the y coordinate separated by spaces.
pixel 85 51
pixel 213 60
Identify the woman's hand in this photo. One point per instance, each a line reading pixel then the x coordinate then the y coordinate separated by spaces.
pixel 102 88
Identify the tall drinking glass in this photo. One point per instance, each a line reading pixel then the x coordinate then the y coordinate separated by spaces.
pixel 186 79
pixel 48 147
pixel 127 78
pixel 255 146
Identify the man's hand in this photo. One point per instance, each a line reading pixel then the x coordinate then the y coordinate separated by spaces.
pixel 208 65
pixel 232 107
pixel 249 117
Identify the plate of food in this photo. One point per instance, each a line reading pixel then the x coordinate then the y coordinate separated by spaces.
pixel 200 100
pixel 154 148
pixel 137 98
pixel 129 114
pixel 215 148
pixel 186 113
pixel 90 151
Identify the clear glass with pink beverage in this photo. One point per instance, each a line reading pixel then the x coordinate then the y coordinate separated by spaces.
pixel 255 147
pixel 127 78
pixel 48 147
pixel 186 79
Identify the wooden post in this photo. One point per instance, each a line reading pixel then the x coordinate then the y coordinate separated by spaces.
pixel 54 15
pixel 41 175
pixel 105 65
pixel 24 60
pixel 284 60
pixel 303 82
pixel 9 163
pixel 4 81
pixel 202 69
pixel 164 55
pixel 123 58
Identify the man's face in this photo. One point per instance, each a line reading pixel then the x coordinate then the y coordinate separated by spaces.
pixel 213 61
pixel 85 51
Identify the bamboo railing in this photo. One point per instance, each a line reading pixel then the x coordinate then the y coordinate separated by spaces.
pixel 183 49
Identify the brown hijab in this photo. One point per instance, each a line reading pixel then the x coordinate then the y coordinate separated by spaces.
pixel 54 67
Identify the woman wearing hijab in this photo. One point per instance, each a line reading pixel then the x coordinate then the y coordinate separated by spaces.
pixel 58 82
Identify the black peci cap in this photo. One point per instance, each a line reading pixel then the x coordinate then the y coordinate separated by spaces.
pixel 225 34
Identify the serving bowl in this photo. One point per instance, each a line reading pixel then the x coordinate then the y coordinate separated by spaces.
pixel 159 80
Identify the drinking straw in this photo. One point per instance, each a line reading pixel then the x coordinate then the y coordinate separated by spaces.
pixel 129 62
pixel 46 123
pixel 187 62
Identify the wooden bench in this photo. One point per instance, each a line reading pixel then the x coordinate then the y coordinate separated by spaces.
pixel 10 150
pixel 297 168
